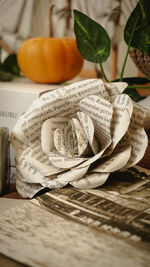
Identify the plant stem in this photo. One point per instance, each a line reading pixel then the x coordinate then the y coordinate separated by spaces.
pixel 0 55
pixel 129 45
pixel 103 72
pixel 140 87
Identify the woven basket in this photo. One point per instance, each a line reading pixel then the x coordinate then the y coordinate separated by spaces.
pixel 141 60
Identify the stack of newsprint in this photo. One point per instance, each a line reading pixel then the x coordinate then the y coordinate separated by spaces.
pixel 107 226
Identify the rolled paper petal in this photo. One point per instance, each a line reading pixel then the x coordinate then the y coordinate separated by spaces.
pixel 35 157
pixel 115 88
pixel 47 131
pixel 27 189
pixel 101 111
pixel 63 162
pixel 52 184
pixel 124 102
pixel 137 136
pixel 115 162
pixel 45 167
pixel 82 140
pixel 122 111
pixel 119 127
pixel 72 175
pixel 60 143
pixel 18 136
pixel 90 181
pixel 28 174
pixel 88 127
pixel 71 138
pixel 63 179
pixel 91 160
pixel 139 146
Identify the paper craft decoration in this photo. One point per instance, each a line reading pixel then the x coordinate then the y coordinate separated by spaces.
pixel 78 135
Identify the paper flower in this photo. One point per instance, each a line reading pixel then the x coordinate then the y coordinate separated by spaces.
pixel 77 135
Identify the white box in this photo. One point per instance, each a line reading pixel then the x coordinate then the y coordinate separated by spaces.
pixel 16 97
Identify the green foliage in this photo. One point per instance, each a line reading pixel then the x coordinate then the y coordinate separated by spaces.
pixel 10 65
pixel 92 39
pixel 141 36
pixel 94 43
pixel 133 93
pixel 130 90
pixel 9 68
pixel 5 76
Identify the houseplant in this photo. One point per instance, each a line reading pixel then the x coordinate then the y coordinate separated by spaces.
pixel 94 43
pixel 9 68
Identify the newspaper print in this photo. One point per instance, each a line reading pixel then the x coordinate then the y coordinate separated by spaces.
pixel 107 226
pixel 121 207
pixel 34 237
pixel 78 135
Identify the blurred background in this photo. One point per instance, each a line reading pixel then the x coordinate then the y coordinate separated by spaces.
pixel 22 19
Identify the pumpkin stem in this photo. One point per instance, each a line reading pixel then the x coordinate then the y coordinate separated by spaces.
pixel 50 21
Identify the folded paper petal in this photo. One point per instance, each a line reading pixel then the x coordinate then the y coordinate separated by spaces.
pixel 63 162
pixel 38 160
pixel 88 127
pixel 100 110
pixel 92 180
pixel 63 179
pixel 115 162
pixel 61 144
pixel 27 189
pixel 122 112
pixel 47 131
pixel 81 137
pixel 28 174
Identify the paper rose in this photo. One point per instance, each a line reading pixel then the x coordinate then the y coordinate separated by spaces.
pixel 77 135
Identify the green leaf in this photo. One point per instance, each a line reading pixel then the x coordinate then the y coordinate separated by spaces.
pixel 133 93
pixel 134 80
pixel 141 36
pixel 10 65
pixel 92 40
pixel 5 76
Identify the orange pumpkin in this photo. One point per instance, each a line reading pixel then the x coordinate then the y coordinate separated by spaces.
pixel 49 60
